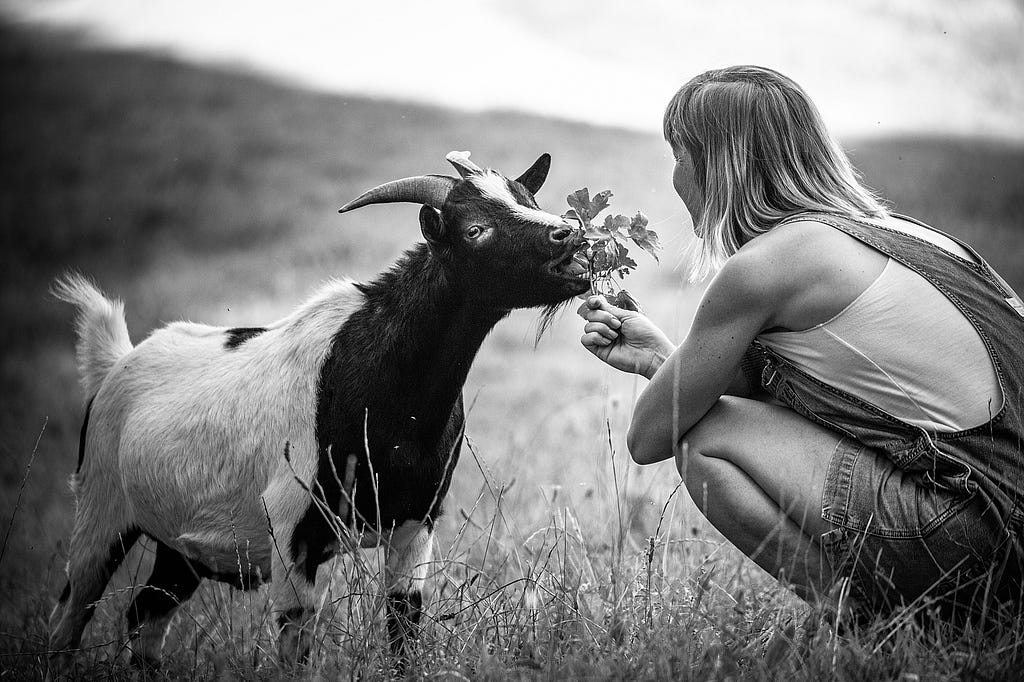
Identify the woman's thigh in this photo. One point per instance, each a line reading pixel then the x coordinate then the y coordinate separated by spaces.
pixel 785 454
pixel 895 535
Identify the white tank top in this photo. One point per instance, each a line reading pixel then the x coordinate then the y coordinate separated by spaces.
pixel 906 349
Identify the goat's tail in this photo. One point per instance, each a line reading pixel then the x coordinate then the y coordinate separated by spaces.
pixel 102 332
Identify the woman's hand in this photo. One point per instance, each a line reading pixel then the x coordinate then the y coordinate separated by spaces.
pixel 624 339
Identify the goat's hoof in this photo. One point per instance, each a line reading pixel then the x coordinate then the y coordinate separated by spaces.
pixel 143 663
pixel 59 666
pixel 399 667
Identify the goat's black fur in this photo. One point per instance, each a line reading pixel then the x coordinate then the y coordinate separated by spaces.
pixel 239 335
pixel 393 381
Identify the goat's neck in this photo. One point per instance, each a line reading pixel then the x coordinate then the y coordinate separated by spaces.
pixel 428 337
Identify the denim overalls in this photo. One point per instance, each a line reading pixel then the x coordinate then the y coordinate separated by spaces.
pixel 918 513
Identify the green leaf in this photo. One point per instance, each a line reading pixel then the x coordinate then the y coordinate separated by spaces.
pixel 602 260
pixel 617 227
pixel 638 222
pixel 618 256
pixel 611 247
pixel 642 237
pixel 599 202
pixel 606 243
pixel 580 203
pixel 625 301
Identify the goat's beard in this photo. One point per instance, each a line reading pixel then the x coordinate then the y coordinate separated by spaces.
pixel 547 317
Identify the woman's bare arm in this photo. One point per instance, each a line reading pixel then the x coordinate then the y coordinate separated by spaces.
pixel 736 307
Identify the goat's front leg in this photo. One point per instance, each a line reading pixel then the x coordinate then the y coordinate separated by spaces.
pixel 293 577
pixel 409 552
pixel 292 591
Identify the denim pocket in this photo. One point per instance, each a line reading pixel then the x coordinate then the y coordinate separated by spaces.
pixel 867 492
pixel 963 538
pixel 940 544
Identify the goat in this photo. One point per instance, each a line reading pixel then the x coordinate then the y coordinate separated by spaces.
pixel 251 454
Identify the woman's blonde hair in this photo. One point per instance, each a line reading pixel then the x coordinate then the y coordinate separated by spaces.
pixel 760 153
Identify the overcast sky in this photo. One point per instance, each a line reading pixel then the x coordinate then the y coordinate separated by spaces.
pixel 873 66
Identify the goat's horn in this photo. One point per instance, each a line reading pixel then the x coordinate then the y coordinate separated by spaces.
pixel 462 164
pixel 431 190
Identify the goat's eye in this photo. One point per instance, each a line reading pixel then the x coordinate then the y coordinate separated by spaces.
pixel 474 231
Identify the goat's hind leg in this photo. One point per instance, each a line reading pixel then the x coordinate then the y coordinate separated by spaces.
pixel 409 552
pixel 94 555
pixel 171 583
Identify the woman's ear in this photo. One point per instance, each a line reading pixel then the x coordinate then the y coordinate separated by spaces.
pixel 432 227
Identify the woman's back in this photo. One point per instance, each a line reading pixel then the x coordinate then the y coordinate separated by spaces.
pixel 894 340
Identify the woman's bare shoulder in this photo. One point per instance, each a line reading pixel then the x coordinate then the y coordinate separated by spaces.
pixel 804 233
pixel 809 270
pixel 805 264
pixel 800 249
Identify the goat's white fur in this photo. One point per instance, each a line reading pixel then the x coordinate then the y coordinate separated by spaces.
pixel 493 185
pixel 195 433
pixel 102 332
pixel 409 552
pixel 186 438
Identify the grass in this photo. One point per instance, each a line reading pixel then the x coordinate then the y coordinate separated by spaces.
pixel 211 195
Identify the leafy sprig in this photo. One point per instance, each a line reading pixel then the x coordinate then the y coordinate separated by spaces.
pixel 606 244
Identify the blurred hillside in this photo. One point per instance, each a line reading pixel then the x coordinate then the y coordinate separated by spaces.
pixel 211 195
pixel 873 67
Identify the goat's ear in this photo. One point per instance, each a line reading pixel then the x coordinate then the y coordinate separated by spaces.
pixel 432 226
pixel 536 174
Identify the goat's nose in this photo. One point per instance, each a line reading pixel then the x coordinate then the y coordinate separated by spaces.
pixel 561 234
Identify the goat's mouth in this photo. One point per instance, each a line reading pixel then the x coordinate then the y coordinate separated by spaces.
pixel 573 267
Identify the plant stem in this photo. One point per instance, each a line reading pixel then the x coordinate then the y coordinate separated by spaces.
pixel 24 481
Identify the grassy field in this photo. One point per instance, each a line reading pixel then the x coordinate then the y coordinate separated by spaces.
pixel 210 195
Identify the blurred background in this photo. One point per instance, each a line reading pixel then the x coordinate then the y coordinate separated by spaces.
pixel 190 156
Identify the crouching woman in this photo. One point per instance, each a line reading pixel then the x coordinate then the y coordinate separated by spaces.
pixel 848 403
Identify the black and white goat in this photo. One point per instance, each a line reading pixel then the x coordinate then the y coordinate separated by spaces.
pixel 253 453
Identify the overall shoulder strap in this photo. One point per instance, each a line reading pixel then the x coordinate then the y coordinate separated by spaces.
pixel 896 244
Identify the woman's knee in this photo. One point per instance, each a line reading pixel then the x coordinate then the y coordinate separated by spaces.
pixel 698 474
pixel 710 433
pixel 694 460
pixel 699 459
